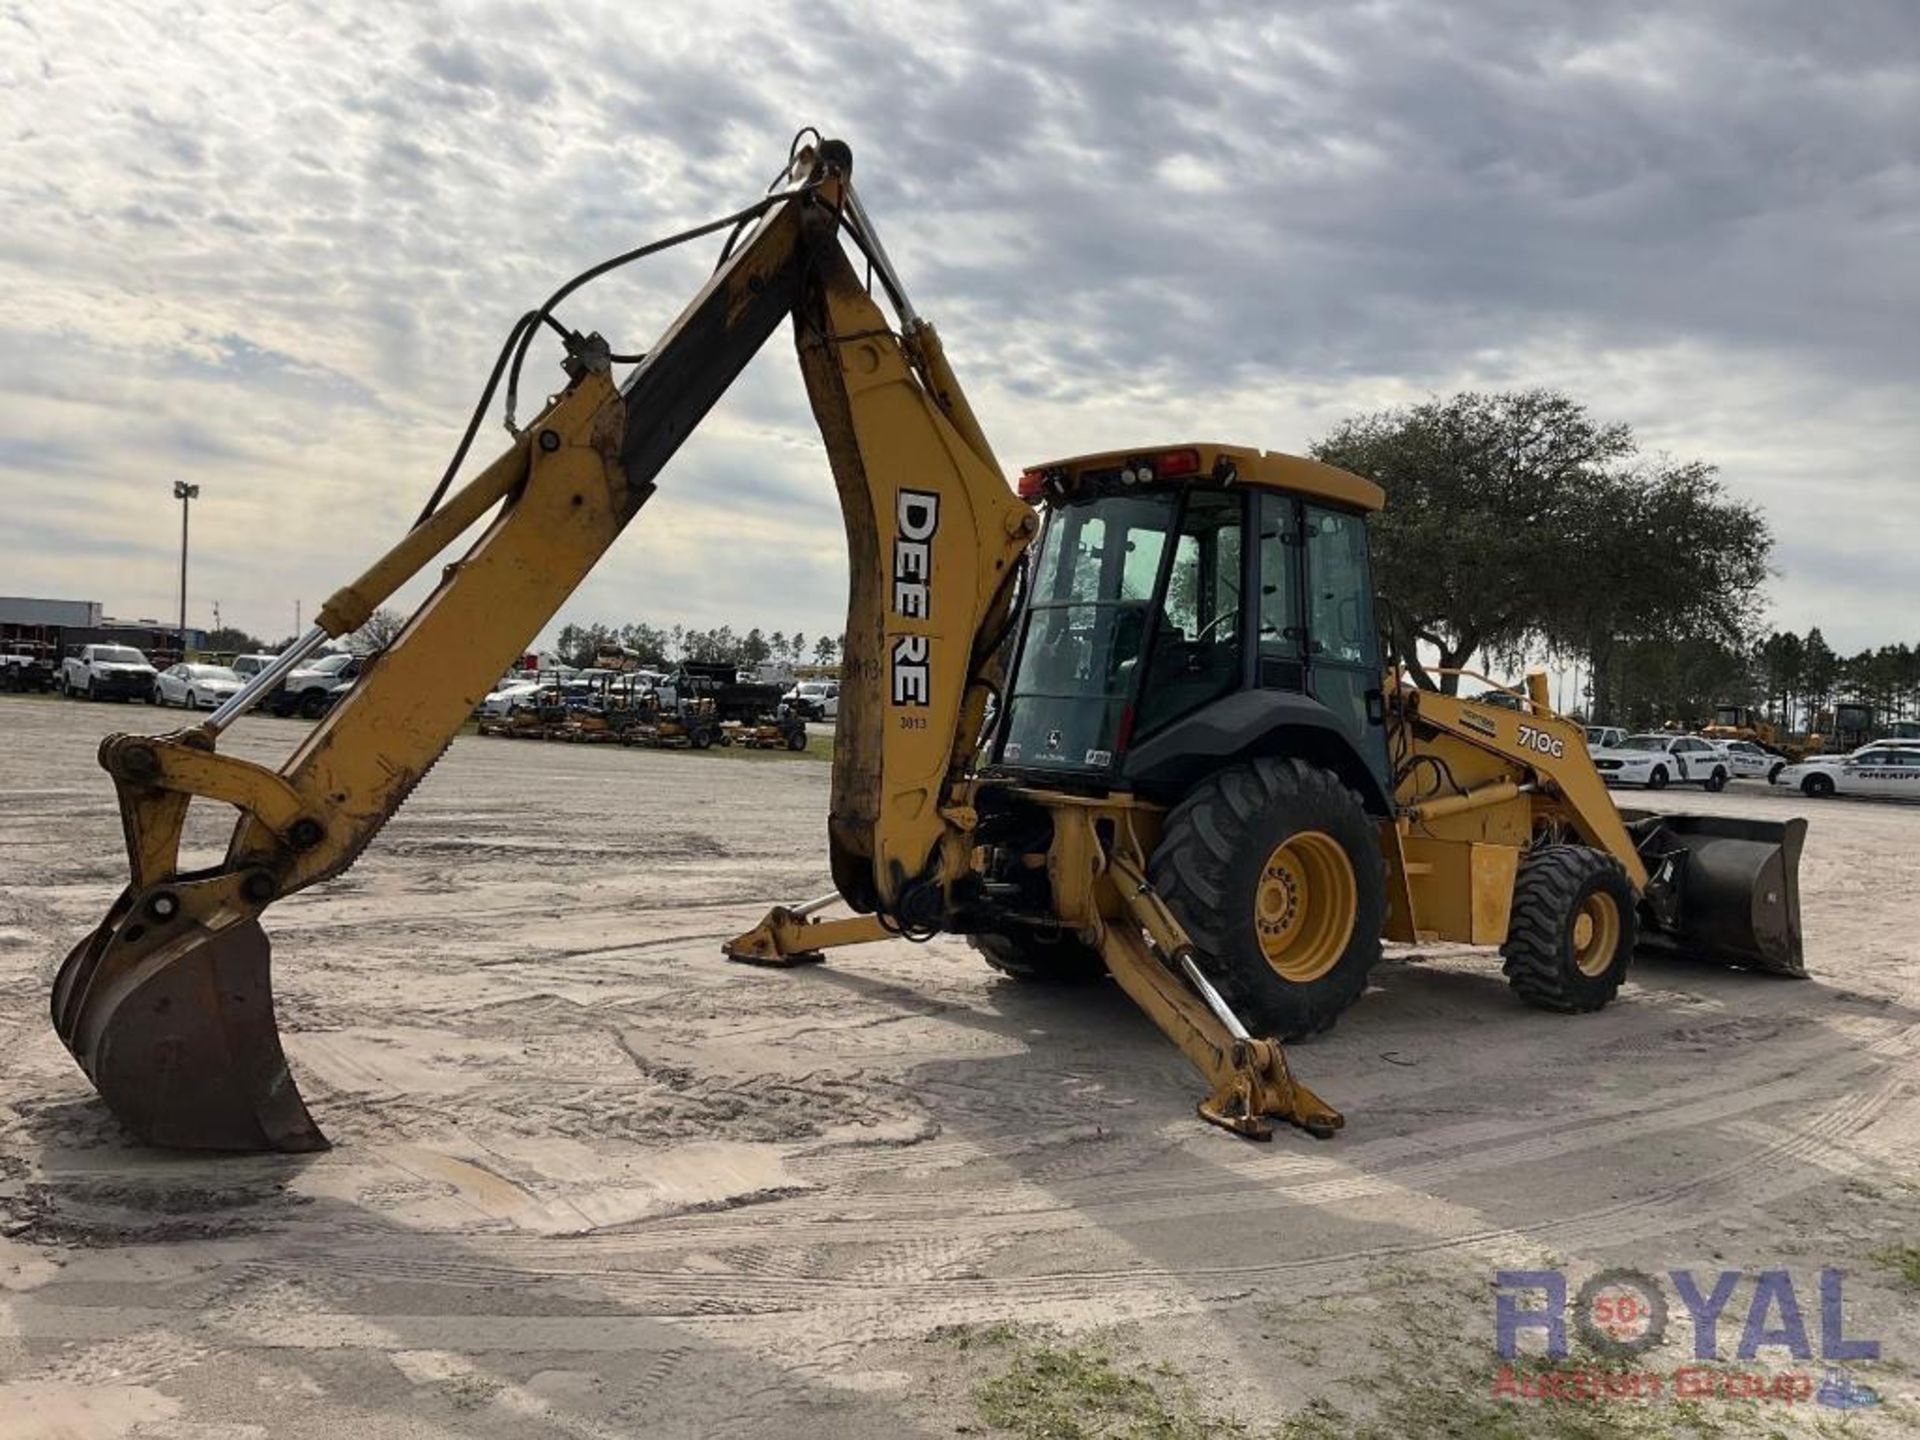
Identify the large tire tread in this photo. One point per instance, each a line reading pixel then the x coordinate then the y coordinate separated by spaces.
pixel 1201 869
pixel 1538 953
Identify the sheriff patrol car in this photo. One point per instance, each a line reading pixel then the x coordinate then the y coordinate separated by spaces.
pixel 1880 770
pixel 1659 760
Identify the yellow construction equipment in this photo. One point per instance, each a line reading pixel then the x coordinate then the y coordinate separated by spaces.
pixel 1743 722
pixel 1157 746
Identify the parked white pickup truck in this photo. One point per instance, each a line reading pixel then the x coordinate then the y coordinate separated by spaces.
pixel 107 672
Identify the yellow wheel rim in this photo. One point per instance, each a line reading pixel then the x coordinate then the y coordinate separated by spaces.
pixel 1596 933
pixel 1303 909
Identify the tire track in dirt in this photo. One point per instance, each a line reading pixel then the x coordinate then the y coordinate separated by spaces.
pixel 908 1290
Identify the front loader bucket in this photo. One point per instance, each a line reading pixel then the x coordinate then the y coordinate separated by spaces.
pixel 179 1038
pixel 1723 889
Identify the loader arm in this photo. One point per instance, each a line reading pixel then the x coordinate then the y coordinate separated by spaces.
pixel 167 1005
pixel 1480 784
pixel 1536 752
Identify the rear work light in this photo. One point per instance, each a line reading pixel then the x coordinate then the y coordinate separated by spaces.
pixel 1033 484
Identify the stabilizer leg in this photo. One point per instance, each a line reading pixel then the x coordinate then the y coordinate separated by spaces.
pixel 1252 1083
pixel 790 936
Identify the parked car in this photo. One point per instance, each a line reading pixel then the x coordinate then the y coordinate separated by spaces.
pixel 248 666
pixel 1750 760
pixel 509 697
pixel 194 686
pixel 814 699
pixel 1657 761
pixel 107 672
pixel 309 691
pixel 1604 737
pixel 22 671
pixel 1879 770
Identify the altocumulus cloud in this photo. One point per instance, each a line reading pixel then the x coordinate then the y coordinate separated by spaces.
pixel 274 247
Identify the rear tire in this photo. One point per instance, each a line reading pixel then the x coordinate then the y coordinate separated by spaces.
pixel 1817 787
pixel 1041 957
pixel 1572 930
pixel 797 741
pixel 1717 781
pixel 1658 779
pixel 1274 870
pixel 313 704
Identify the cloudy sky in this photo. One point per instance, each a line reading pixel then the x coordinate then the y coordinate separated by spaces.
pixel 273 248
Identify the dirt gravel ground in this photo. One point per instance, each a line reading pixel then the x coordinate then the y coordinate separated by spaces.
pixel 590 1180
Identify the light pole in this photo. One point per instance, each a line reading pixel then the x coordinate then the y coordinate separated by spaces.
pixel 186 494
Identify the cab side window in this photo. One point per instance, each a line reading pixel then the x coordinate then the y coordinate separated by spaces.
pixel 1343 651
pixel 1282 636
pixel 1340 613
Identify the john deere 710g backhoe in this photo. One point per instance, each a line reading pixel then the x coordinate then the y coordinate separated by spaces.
pixel 1157 745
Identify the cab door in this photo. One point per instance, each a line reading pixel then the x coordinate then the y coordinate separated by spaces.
pixel 1343 647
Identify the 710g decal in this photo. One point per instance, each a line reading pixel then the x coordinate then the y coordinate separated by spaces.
pixel 1532 737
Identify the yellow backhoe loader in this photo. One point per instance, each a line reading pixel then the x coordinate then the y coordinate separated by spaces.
pixel 1157 745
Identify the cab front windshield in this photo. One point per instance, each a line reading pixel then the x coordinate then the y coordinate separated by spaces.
pixel 1092 585
pixel 1092 614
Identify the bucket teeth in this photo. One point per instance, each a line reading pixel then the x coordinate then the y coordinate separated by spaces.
pixel 180 1039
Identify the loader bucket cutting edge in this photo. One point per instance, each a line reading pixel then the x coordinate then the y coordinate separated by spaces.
pixel 181 1041
pixel 1736 897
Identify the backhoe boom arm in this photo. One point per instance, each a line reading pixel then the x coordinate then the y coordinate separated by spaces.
pixel 168 1005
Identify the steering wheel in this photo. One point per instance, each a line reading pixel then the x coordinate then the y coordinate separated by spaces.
pixel 1212 625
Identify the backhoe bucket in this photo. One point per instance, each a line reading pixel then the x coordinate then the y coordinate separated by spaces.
pixel 180 1038
pixel 1723 889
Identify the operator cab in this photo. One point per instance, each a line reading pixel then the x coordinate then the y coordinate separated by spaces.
pixel 1192 606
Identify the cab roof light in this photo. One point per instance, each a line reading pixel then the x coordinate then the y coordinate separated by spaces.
pixel 1170 464
pixel 1037 485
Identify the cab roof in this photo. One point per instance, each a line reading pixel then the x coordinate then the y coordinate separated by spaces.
pixel 1204 461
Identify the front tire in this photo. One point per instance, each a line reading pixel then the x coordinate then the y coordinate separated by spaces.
pixel 1717 781
pixel 313 705
pixel 1773 775
pixel 1571 933
pixel 1658 779
pixel 1041 957
pixel 1274 870
pixel 1817 787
